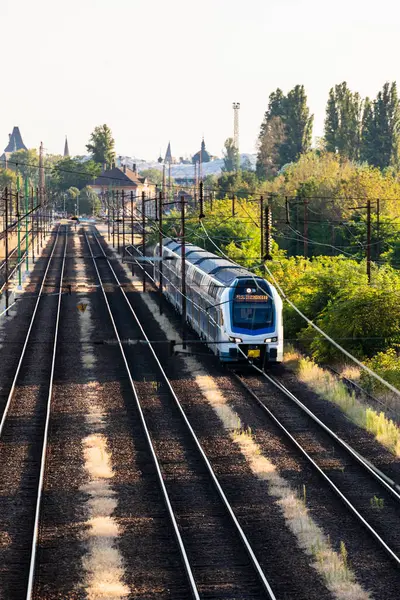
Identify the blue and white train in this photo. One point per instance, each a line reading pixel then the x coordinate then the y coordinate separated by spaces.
pixel 240 313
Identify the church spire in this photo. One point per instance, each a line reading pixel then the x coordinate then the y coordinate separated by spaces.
pixel 66 149
pixel 168 155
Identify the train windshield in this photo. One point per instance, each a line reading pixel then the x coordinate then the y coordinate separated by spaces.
pixel 252 305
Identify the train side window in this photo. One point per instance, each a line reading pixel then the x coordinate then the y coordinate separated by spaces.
pixel 213 290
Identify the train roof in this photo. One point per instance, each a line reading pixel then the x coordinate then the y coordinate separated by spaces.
pixel 221 269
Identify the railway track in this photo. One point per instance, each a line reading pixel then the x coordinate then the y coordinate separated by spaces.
pixel 216 555
pixel 24 429
pixel 298 423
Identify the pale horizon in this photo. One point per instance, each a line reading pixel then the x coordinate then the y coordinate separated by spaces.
pixel 158 72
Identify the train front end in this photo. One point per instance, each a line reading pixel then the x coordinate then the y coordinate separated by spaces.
pixel 252 323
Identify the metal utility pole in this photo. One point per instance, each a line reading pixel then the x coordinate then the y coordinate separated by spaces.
pixel 156 203
pixel 131 217
pixel 169 180
pixel 183 269
pixel 378 233
pixel 201 213
pixel 113 219
pixel 268 233
pixel 369 240
pixel 195 184
pixel 41 170
pixel 108 215
pixel 123 223
pixel 143 241
pixel 262 228
pixel 236 107
pixel 287 211
pixel 164 183
pixel 160 249
pixel 305 228
pixel 118 216
pixel 18 234
pixel 32 226
pixel 6 246
pixel 200 165
pixel 26 224
pixel 37 220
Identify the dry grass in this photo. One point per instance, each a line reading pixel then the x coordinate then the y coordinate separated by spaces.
pixel 322 382
pixel 351 372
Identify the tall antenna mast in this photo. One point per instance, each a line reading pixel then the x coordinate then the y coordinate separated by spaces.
pixel 236 107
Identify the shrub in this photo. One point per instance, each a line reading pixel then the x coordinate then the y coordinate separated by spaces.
pixel 387 365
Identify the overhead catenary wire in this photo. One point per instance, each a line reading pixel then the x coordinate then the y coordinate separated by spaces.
pixel 321 332
pixel 388 385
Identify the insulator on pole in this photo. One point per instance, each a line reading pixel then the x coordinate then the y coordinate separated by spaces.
pixel 201 199
pixel 268 233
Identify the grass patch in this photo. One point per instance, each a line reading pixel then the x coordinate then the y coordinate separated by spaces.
pixel 385 431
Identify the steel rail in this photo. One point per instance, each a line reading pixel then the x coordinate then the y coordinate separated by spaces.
pixel 391 486
pixel 187 567
pixel 12 389
pixel 264 582
pixel 327 479
pixel 45 434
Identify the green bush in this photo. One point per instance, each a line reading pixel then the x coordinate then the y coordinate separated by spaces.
pixel 387 365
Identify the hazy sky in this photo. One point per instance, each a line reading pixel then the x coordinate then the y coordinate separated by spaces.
pixel 169 70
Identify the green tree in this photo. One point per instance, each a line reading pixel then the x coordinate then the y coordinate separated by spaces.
pixel 242 183
pixel 153 175
pixel 89 202
pixel 231 157
pixel 298 125
pixel 74 172
pixel 26 162
pixel 285 132
pixel 331 123
pixel 70 196
pixel 7 178
pixel 343 122
pixel 364 319
pixel 368 133
pixel 101 145
pixel 381 128
pixel 269 146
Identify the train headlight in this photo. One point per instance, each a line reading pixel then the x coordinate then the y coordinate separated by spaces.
pixel 235 340
pixel 269 340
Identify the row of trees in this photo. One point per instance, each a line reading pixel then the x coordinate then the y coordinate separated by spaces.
pixel 68 178
pixel 366 130
pixel 362 130
pixel 286 131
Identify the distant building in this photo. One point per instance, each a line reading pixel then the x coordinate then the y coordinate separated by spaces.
pixel 205 156
pixel 123 179
pixel 15 143
pixel 66 149
pixel 168 154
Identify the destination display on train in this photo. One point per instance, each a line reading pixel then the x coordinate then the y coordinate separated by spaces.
pixel 251 298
